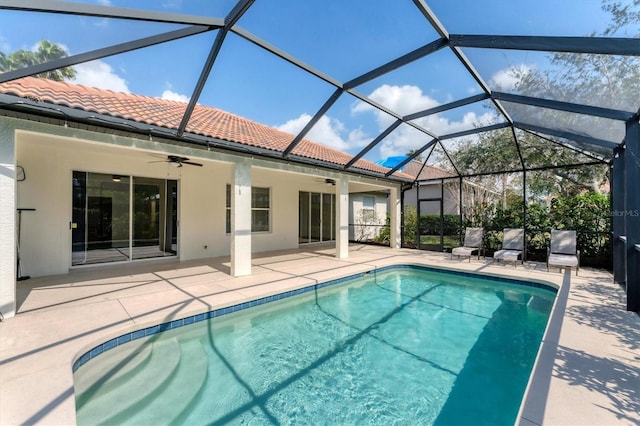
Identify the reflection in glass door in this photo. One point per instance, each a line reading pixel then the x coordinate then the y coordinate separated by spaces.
pixel 316 215
pixel 120 218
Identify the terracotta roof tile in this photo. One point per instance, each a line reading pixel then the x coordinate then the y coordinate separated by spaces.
pixel 429 172
pixel 206 121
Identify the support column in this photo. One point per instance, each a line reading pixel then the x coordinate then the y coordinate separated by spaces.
pixel 8 196
pixel 342 218
pixel 632 212
pixel 394 220
pixel 618 218
pixel 241 219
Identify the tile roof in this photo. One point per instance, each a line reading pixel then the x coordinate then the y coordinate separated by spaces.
pixel 206 121
pixel 429 172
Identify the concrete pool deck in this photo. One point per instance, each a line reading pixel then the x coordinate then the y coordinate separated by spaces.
pixel 587 371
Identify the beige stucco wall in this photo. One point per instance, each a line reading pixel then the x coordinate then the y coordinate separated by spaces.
pixel 358 229
pixel 49 162
pixel 49 154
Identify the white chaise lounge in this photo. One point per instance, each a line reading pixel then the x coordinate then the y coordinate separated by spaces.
pixel 563 250
pixel 472 243
pixel 512 246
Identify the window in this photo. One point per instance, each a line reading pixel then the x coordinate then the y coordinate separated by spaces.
pixel 260 209
pixel 368 203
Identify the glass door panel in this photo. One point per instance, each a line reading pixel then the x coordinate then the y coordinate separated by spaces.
pixel 149 197
pixel 78 224
pixel 303 217
pixel 171 226
pixel 327 217
pixel 316 213
pixel 105 214
pixel 100 227
pixel 315 217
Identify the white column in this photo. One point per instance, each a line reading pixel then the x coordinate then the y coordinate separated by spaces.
pixel 395 213
pixel 8 197
pixel 241 219
pixel 342 218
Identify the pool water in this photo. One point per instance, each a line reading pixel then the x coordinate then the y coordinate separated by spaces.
pixel 403 346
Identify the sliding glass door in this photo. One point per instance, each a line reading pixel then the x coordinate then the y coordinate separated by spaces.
pixel 121 218
pixel 316 213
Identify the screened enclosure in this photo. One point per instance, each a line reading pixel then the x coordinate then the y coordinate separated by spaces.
pixel 519 115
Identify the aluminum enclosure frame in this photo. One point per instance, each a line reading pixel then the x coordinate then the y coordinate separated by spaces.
pixel 626 167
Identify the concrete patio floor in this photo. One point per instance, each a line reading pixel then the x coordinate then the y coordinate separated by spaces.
pixel 586 373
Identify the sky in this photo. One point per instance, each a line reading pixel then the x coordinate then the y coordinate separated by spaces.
pixel 341 39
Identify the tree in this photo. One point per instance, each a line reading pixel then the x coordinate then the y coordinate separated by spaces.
pixel 45 52
pixel 611 81
pixel 497 151
pixel 417 158
pixel 623 15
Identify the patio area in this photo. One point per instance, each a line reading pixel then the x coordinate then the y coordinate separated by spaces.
pixel 587 371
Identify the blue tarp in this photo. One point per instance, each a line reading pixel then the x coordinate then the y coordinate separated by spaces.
pixel 391 162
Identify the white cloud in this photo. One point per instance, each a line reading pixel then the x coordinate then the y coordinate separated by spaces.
pixel 104 2
pixel 173 96
pixel 100 74
pixel 507 79
pixel 102 23
pixel 401 99
pixel 327 131
pixel 410 99
pixel 172 4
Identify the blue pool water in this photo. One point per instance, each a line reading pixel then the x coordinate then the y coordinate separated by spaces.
pixel 403 346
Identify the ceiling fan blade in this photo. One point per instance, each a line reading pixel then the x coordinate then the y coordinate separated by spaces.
pixel 191 163
pixel 177 158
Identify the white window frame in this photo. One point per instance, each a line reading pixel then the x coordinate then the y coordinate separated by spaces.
pixel 228 210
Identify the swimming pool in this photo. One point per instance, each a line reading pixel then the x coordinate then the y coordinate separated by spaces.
pixel 401 345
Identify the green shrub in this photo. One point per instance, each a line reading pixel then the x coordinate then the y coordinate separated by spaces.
pixel 384 236
pixel 588 214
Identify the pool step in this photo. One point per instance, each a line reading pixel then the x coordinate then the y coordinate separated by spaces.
pixel 135 390
pixel 175 399
pixel 108 371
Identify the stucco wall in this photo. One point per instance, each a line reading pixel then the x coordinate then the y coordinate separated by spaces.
pixel 49 162
pixel 358 229
pixel 50 153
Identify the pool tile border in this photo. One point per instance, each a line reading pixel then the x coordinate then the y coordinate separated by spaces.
pixel 159 328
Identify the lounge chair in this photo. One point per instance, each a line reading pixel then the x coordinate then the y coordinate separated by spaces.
pixel 512 246
pixel 563 250
pixel 472 243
